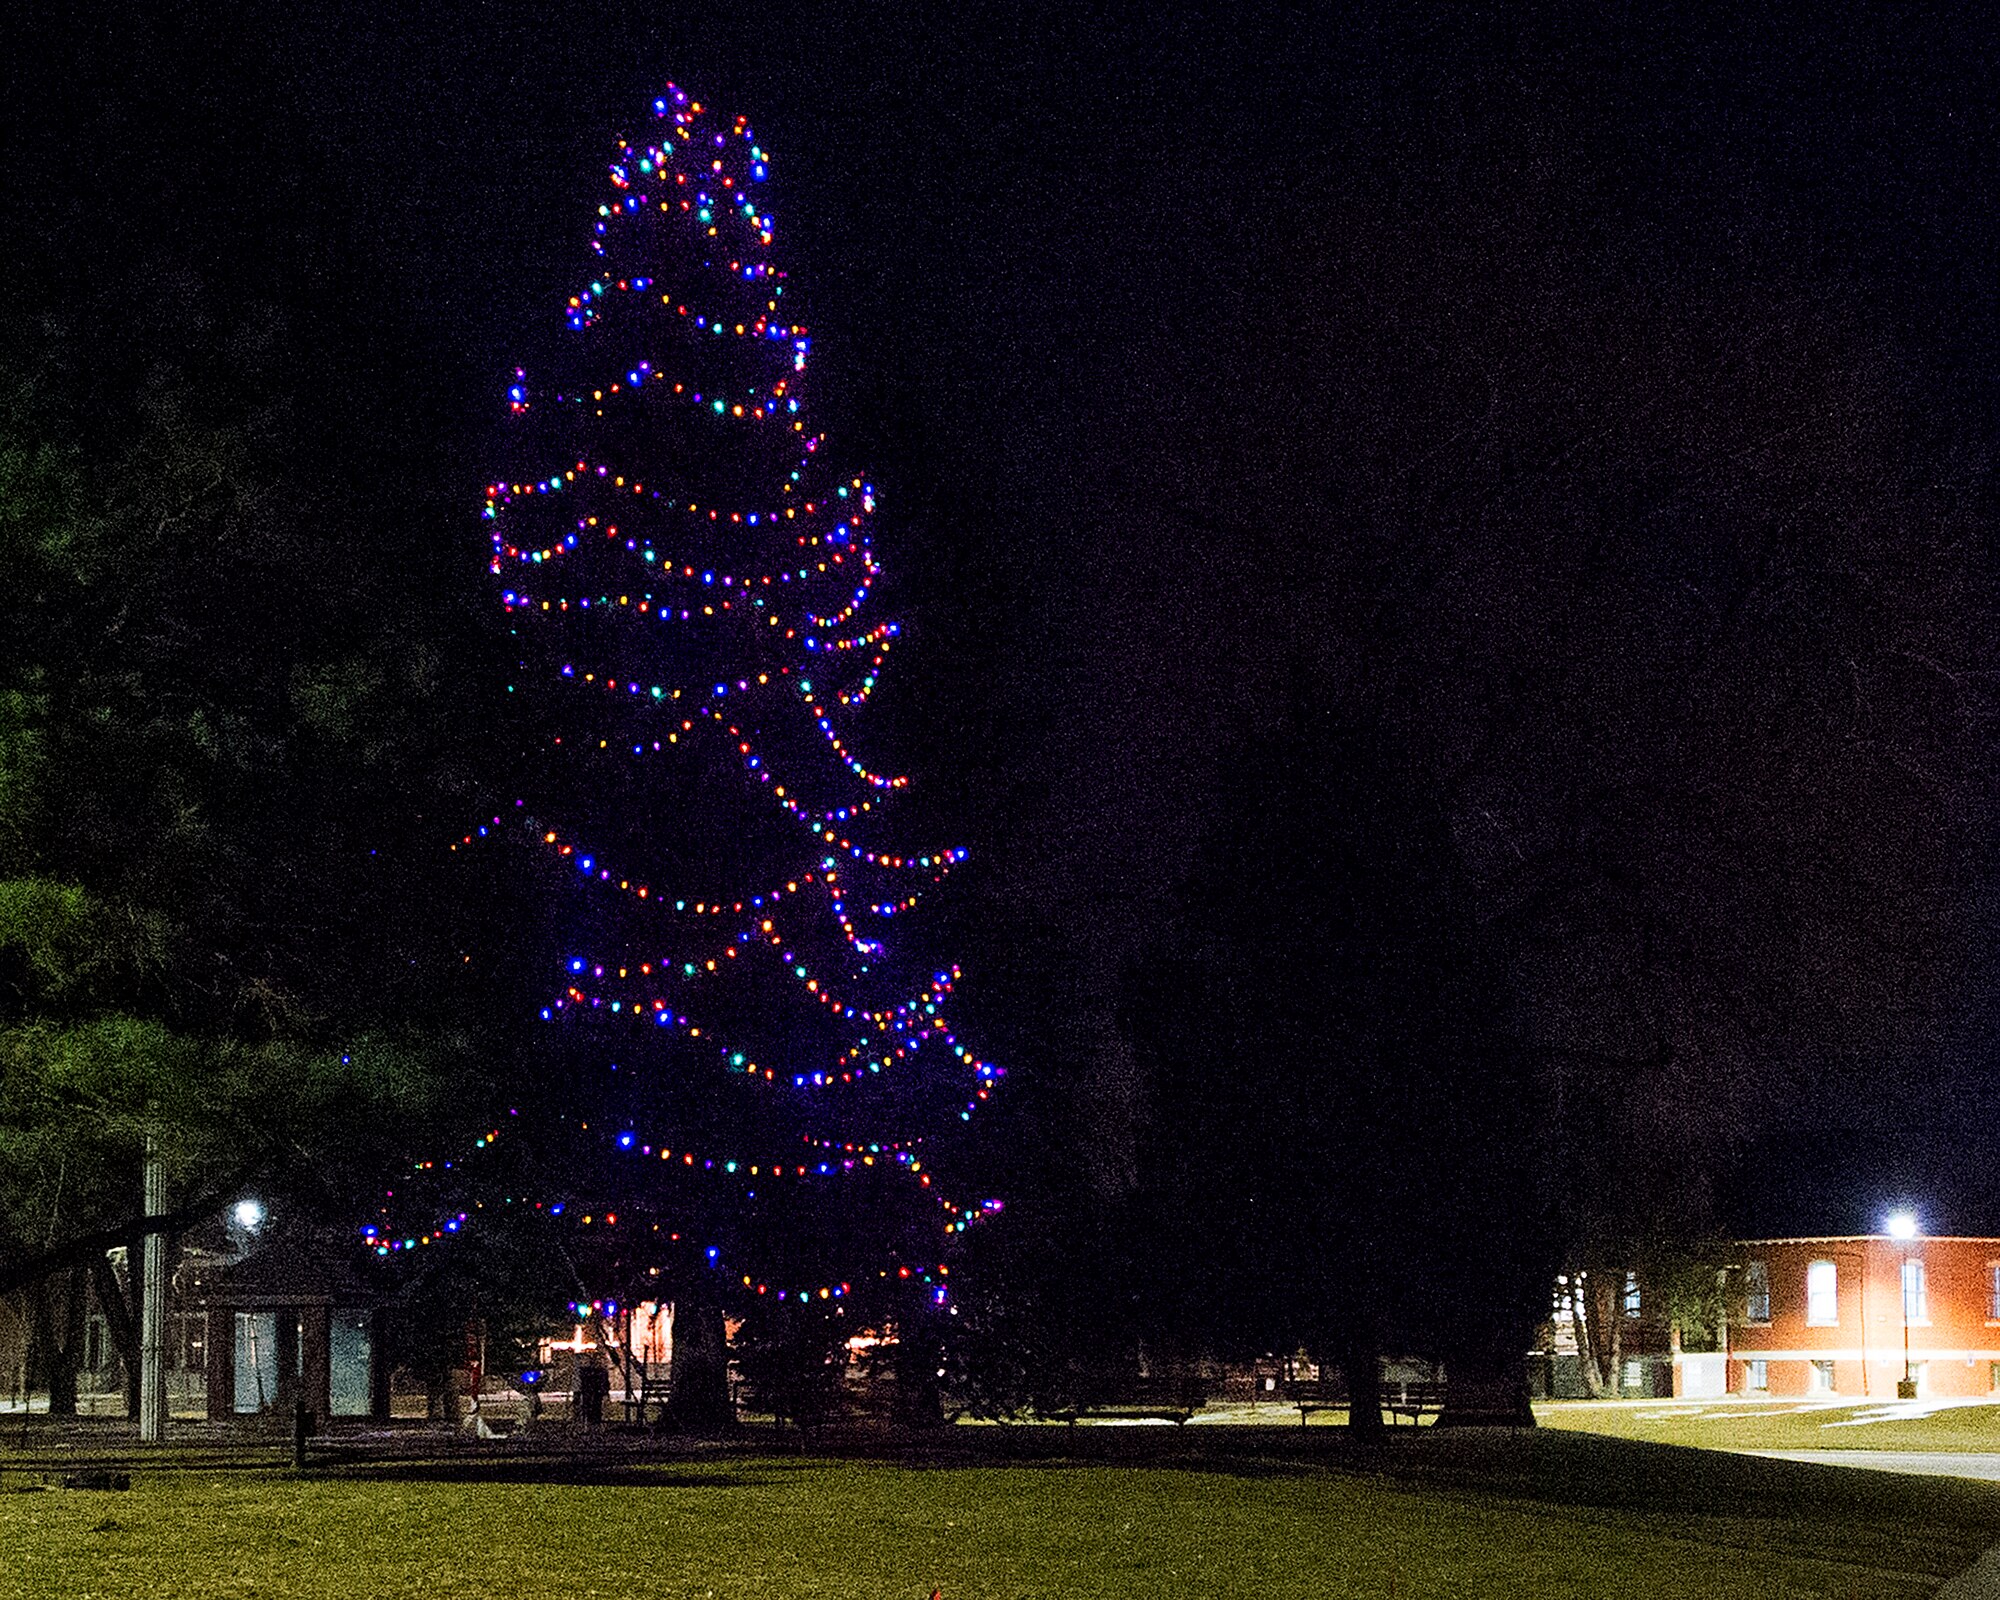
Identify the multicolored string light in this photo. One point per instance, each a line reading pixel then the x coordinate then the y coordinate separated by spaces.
pixel 764 559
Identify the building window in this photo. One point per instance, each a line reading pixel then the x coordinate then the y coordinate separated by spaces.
pixel 1993 1376
pixel 1917 1371
pixel 1757 1290
pixel 256 1361
pixel 1820 1379
pixel 1631 1294
pixel 1632 1378
pixel 1758 1379
pixel 351 1362
pixel 1993 1291
pixel 1822 1295
pixel 1916 1304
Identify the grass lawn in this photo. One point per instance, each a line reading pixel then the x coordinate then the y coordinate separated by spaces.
pixel 1543 1514
pixel 1739 1424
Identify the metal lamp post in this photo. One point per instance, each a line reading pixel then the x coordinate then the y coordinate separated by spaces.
pixel 153 1303
pixel 1903 1226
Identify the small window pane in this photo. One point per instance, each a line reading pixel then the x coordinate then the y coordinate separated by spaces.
pixel 1757 1282
pixel 351 1362
pixel 1822 1295
pixel 256 1361
pixel 1916 1304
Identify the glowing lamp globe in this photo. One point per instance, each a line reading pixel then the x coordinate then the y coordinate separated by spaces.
pixel 1902 1224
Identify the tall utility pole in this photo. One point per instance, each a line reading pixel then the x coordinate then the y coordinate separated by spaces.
pixel 153 1305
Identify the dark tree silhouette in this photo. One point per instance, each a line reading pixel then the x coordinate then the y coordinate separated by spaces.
pixel 1638 692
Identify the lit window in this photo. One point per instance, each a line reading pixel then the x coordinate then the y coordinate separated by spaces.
pixel 1820 1380
pixel 1759 1376
pixel 1757 1290
pixel 1822 1295
pixel 1916 1304
pixel 1993 1290
pixel 1631 1294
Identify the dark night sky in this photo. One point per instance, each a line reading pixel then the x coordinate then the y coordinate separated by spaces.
pixel 1034 242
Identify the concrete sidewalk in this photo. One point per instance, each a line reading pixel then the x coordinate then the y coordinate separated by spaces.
pixel 1984 1465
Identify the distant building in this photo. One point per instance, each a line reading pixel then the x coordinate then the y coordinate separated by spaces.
pixel 254 1325
pixel 283 1323
pixel 1635 1343
pixel 1835 1316
pixel 1827 1316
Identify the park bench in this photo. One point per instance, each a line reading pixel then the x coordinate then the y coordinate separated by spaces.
pixel 1316 1394
pixel 1115 1411
pixel 1164 1402
pixel 1412 1400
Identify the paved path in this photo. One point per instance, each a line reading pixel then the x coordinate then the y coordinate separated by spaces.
pixel 1934 1463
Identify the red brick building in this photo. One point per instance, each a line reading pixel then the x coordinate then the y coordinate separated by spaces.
pixel 1836 1316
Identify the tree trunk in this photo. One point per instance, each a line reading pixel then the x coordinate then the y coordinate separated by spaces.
pixel 1360 1361
pixel 919 1390
pixel 56 1335
pixel 441 1396
pixel 1486 1376
pixel 1585 1324
pixel 119 1318
pixel 1487 1389
pixel 1614 1376
pixel 698 1391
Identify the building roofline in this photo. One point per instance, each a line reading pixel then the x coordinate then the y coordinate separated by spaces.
pixel 1869 1238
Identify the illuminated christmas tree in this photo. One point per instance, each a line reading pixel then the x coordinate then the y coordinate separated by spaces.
pixel 747 1056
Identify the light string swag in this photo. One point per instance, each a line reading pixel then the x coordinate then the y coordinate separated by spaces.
pixel 772 588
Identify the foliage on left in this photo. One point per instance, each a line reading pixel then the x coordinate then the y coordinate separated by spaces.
pixel 220 742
